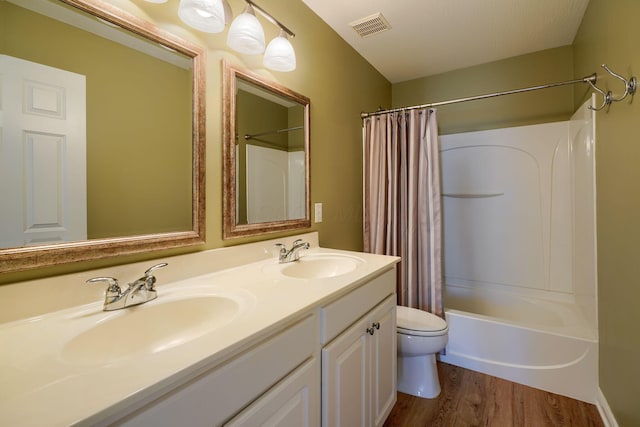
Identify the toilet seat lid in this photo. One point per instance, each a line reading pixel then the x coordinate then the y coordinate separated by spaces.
pixel 411 319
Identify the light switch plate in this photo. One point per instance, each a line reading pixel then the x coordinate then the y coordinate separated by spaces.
pixel 318 212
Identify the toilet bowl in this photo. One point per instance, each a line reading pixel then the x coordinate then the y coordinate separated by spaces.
pixel 420 336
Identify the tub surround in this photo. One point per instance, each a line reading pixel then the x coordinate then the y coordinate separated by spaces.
pixel 520 259
pixel 39 368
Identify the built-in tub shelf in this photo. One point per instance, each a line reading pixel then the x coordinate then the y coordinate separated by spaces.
pixel 472 195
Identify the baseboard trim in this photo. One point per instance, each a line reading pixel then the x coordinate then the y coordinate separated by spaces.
pixel 605 411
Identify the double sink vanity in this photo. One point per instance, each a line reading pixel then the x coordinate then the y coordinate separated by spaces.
pixel 233 338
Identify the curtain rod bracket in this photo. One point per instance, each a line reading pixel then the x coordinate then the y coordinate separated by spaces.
pixel 630 87
pixel 606 97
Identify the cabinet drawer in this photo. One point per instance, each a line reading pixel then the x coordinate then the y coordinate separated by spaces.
pixel 337 316
pixel 293 402
pixel 215 396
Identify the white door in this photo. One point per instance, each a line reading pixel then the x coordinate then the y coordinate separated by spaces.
pixel 42 154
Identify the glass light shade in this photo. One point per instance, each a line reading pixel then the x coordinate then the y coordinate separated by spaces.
pixel 246 34
pixel 280 55
pixel 204 15
pixel 156 1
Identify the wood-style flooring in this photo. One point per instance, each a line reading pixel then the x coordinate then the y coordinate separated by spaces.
pixel 470 398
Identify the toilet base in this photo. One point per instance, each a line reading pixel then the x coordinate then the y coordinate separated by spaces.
pixel 418 376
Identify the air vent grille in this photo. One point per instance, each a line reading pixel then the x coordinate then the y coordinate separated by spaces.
pixel 370 25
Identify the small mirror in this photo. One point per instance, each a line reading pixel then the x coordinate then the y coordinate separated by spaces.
pixel 266 156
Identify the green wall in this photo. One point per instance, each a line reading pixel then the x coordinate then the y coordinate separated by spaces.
pixel 131 125
pixel 609 34
pixel 553 65
pixel 340 84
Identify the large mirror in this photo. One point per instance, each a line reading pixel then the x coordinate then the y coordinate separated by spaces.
pixel 266 155
pixel 103 136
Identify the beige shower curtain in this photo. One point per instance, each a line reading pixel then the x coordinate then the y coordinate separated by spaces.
pixel 402 202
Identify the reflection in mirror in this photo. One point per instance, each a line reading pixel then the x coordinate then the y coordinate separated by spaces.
pixel 102 118
pixel 266 150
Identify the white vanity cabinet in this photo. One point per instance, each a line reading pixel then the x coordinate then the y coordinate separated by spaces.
pixel 359 356
pixel 276 382
pixel 288 380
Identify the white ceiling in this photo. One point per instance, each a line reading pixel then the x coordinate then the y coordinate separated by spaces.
pixel 434 36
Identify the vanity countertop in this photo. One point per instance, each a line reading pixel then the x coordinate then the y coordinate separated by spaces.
pixel 50 377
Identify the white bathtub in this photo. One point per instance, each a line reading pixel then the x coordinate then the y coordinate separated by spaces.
pixel 540 343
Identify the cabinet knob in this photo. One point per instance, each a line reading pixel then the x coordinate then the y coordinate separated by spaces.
pixel 371 331
pixel 376 325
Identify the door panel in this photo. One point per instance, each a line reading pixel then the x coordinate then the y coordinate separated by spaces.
pixel 42 154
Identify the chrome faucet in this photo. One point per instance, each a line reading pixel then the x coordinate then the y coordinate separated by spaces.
pixel 138 292
pixel 292 254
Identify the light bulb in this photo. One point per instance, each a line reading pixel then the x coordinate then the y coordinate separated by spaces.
pixel 280 55
pixel 203 15
pixel 246 34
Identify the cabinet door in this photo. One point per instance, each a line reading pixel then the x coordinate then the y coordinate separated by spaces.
pixel 345 378
pixel 294 402
pixel 383 361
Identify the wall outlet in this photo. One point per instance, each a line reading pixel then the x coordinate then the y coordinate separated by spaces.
pixel 318 212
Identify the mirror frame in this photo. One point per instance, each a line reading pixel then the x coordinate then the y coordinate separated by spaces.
pixel 28 257
pixel 230 229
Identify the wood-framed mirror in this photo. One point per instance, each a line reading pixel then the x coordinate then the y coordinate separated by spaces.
pixel 266 155
pixel 140 119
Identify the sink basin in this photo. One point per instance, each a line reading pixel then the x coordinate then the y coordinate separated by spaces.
pixel 150 328
pixel 318 266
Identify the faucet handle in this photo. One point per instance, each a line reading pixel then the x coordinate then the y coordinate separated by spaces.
pixel 281 246
pixel 149 279
pixel 155 267
pixel 113 284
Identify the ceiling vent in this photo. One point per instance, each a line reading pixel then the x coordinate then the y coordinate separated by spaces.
pixel 370 25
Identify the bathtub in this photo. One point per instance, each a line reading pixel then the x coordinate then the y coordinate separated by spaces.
pixel 543 343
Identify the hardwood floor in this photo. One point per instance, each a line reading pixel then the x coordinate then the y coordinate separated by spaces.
pixel 470 398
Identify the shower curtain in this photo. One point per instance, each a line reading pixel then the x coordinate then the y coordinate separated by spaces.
pixel 402 202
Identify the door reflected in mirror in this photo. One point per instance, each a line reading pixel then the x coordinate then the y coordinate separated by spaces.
pixel 266 156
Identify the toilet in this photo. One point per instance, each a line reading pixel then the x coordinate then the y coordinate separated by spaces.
pixel 420 336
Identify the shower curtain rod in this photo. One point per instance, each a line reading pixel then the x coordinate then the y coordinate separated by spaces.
pixel 271 132
pixel 588 79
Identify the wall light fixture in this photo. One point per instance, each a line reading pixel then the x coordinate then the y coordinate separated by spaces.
pixel 245 33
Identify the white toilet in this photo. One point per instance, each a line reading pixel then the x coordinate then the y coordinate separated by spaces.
pixel 420 336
